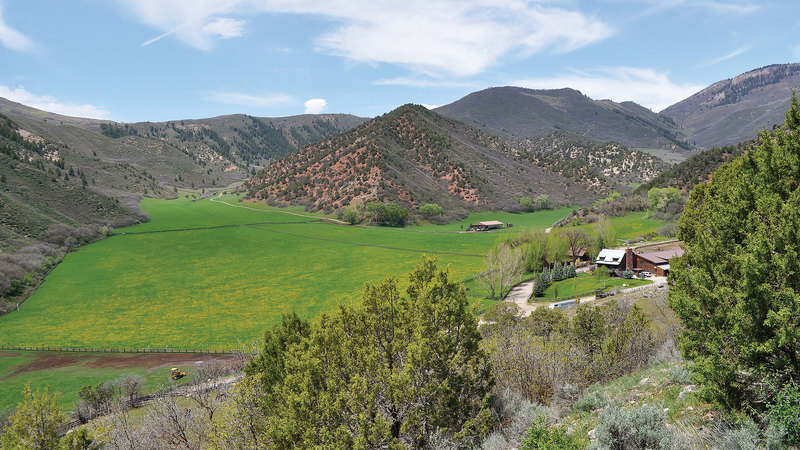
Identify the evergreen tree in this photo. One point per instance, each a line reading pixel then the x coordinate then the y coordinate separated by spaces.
pixel 737 287
pixel 389 373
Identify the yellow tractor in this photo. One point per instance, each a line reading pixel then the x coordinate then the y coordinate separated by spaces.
pixel 176 374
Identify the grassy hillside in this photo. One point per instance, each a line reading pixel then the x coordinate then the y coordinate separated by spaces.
pixel 160 287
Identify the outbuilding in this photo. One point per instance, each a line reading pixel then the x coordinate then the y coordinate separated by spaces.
pixel 486 226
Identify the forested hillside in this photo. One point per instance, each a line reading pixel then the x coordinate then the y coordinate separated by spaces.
pixel 734 110
pixel 414 156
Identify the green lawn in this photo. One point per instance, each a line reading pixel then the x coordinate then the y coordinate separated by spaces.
pixel 585 284
pixel 212 288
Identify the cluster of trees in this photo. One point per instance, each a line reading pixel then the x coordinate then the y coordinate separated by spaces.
pixel 737 287
pixel 387 214
pixel 542 201
pixel 546 354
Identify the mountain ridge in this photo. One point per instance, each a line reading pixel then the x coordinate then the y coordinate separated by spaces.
pixel 734 110
pixel 523 112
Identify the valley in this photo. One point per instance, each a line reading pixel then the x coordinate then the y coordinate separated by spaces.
pixel 191 237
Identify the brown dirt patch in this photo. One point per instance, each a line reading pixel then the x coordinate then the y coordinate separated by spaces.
pixel 148 361
pixel 151 361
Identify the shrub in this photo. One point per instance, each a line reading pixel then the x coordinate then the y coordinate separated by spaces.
pixel 429 210
pixel 591 401
pixel 628 274
pixel 351 216
pixel 526 203
pixel 542 437
pixel 642 427
pixel 784 412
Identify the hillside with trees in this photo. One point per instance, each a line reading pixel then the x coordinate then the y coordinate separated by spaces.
pixel 413 156
pixel 734 110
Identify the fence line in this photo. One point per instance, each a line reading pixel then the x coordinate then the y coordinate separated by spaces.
pixel 116 350
pixel 33 289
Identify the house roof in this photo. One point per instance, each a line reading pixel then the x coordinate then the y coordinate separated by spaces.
pixel 610 257
pixel 661 257
pixel 489 223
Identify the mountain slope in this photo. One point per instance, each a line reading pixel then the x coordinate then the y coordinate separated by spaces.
pixel 734 110
pixel 414 156
pixel 696 168
pixel 529 113
pixel 78 171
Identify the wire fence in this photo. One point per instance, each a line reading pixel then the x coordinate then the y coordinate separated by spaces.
pixel 116 350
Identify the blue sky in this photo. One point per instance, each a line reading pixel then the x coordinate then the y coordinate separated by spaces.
pixel 157 60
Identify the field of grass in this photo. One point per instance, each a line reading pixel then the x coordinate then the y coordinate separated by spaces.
pixel 225 273
pixel 632 225
pixel 586 283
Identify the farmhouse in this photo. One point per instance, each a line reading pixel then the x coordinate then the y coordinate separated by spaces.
pixel 656 263
pixel 486 226
pixel 615 260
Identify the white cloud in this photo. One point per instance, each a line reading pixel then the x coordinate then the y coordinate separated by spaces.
pixel 423 82
pixel 315 105
pixel 434 37
pixel 195 22
pixel 51 104
pixel 728 7
pixel 13 39
pixel 644 86
pixel 430 106
pixel 722 58
pixel 238 98
pixel 225 28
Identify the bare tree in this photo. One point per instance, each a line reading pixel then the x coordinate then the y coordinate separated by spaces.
pixel 209 393
pixel 577 240
pixel 130 386
pixel 504 267
pixel 171 425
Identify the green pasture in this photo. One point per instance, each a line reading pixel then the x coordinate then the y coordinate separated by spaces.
pixel 540 219
pixel 68 379
pixel 585 284
pixel 632 225
pixel 229 272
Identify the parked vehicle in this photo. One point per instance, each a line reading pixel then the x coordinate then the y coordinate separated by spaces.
pixel 646 274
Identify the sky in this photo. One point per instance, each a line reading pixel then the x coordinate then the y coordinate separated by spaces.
pixel 159 60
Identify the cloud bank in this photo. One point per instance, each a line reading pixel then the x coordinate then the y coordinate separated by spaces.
pixel 51 104
pixel 438 38
pixel 644 86
pixel 238 98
